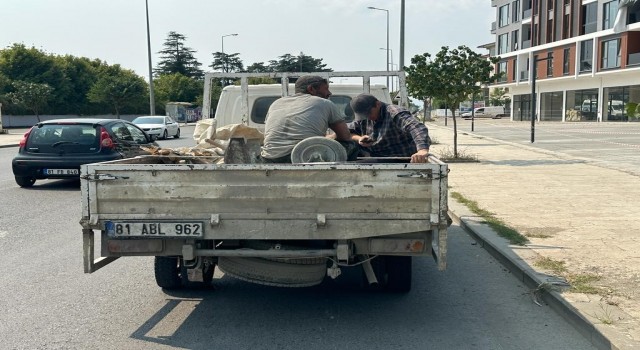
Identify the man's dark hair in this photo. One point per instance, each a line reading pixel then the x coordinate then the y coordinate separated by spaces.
pixel 363 103
pixel 309 80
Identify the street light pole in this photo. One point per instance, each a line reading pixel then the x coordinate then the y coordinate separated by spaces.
pixel 224 58
pixel 401 67
pixel 152 103
pixel 389 65
pixel 224 62
pixel 387 11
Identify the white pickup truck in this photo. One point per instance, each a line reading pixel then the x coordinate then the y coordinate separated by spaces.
pixel 276 224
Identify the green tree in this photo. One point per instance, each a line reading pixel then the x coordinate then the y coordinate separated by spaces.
pixel 258 67
pixel 120 89
pixel 227 62
pixel 177 88
pixel 177 58
pixel 19 63
pixel 32 96
pixel 499 97
pixel 451 76
pixel 299 63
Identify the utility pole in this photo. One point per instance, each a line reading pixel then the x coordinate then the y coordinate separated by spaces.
pixel 401 63
pixel 152 103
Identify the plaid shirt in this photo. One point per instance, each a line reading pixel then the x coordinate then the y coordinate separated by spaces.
pixel 396 133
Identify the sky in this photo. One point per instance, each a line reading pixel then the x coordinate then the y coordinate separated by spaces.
pixel 345 34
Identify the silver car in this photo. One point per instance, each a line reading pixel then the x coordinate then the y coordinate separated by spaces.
pixel 158 126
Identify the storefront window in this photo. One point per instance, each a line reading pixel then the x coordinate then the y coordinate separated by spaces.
pixel 582 105
pixel 621 104
pixel 551 106
pixel 522 107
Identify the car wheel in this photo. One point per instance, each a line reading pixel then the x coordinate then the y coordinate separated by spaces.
pixel 167 271
pixel 177 134
pixel 165 134
pixel 25 181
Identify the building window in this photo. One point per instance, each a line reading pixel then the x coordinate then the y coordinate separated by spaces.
pixel 589 18
pixel 566 26
pixel 550 5
pixel 503 17
pixel 586 56
pixel 565 61
pixel 550 31
pixel 611 54
pixel 549 64
pixel 515 10
pixel 503 43
pixel 502 70
pixel 514 70
pixel 609 13
pixel 514 40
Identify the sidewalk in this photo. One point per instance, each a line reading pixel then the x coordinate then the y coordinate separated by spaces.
pixel 575 213
pixel 11 138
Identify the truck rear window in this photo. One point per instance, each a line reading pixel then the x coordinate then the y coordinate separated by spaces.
pixel 261 107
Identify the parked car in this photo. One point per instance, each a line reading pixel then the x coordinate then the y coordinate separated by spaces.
pixel 55 149
pixel 159 126
pixel 495 112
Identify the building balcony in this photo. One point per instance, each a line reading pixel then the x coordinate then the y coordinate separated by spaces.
pixel 526 14
pixel 493 27
pixel 633 59
pixel 526 44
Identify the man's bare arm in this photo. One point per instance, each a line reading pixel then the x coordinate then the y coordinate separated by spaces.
pixel 341 130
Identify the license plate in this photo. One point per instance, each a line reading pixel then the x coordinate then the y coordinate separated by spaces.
pixel 154 229
pixel 61 171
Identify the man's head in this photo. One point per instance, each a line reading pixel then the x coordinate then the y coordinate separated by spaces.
pixel 366 106
pixel 313 85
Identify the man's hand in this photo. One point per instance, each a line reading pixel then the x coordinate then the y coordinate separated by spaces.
pixel 365 141
pixel 420 156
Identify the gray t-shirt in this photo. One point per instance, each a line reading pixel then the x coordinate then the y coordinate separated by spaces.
pixel 291 119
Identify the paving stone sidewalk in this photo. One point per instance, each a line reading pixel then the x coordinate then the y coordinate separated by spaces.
pixel 582 215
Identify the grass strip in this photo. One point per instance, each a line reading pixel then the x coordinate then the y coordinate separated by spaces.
pixel 503 230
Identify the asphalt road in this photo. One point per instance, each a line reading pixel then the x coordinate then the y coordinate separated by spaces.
pixel 49 303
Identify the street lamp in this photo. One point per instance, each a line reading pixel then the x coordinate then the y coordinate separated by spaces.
pixel 534 72
pixel 224 62
pixel 152 103
pixel 387 11
pixel 389 65
pixel 401 35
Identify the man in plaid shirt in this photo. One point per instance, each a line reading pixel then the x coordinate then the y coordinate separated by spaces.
pixel 386 130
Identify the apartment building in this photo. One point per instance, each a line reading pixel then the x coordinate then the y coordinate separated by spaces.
pixel 586 70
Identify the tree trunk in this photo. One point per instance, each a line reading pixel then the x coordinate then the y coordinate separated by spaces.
pixel 455 134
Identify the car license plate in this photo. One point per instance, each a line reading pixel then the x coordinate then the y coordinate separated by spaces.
pixel 61 171
pixel 154 229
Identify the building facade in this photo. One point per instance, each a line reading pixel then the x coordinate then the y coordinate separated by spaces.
pixel 587 64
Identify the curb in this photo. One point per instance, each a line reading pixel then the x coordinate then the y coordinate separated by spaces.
pixel 9 145
pixel 497 247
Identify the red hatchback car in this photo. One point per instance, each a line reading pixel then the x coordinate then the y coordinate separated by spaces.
pixel 55 149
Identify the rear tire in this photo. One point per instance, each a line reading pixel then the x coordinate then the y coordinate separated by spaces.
pixel 25 181
pixel 393 273
pixel 399 270
pixel 168 272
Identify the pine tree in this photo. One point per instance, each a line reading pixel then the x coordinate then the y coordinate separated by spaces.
pixel 177 58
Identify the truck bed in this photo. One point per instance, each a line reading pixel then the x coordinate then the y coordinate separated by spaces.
pixel 316 201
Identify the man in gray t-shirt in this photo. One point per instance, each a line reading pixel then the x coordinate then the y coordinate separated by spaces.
pixel 308 113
